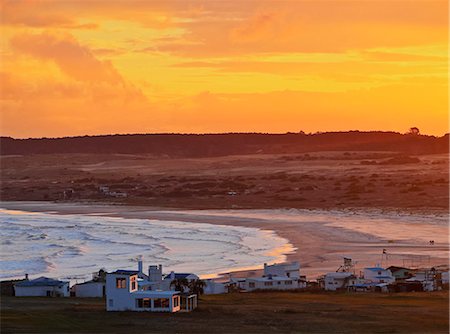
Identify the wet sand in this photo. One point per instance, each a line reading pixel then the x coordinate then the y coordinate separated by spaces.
pixel 321 238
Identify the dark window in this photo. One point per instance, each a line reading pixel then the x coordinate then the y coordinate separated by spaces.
pixel 176 301
pixel 121 283
pixel 251 285
pixel 161 303
pixel 268 283
pixel 143 303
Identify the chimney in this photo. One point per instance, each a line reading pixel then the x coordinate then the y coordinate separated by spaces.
pixel 140 264
pixel 155 273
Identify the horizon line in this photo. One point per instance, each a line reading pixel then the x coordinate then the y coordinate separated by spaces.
pixel 216 133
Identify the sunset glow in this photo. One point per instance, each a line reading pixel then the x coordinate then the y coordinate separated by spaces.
pixel 101 67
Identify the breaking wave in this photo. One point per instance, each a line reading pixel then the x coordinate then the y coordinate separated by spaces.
pixel 67 246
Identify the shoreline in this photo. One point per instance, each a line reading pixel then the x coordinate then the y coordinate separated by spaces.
pixel 319 245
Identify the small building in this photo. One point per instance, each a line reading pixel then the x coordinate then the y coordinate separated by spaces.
pixel 95 288
pixel 339 280
pixel 378 275
pixel 43 287
pixel 400 273
pixel 89 289
pixel 273 283
pixel 122 294
pixel 291 269
pixel 166 283
pixel 214 288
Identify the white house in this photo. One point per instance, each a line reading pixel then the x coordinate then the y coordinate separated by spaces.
pixel 166 283
pixel 291 269
pixel 214 288
pixel 339 280
pixel 378 275
pixel 122 294
pixel 431 279
pixel 42 286
pixel 272 283
pixel 89 289
pixel 278 276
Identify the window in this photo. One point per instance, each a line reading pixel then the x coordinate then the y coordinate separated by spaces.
pixel 288 274
pixel 268 283
pixel 379 273
pixel 49 293
pixel 143 303
pixel 111 302
pixel 287 282
pixel 121 283
pixel 133 283
pixel 251 284
pixel 161 303
pixel 176 301
pixel 278 282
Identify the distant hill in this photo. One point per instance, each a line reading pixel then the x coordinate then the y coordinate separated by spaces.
pixel 208 145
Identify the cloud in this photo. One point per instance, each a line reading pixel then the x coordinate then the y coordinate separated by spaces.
pixel 74 59
pixel 67 90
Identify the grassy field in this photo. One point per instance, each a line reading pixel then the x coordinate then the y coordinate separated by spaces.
pixel 271 312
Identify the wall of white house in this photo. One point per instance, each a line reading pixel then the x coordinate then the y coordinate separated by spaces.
pixel 94 289
pixel 42 291
pixel 250 284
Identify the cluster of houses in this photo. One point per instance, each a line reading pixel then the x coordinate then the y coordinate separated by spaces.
pixel 134 290
pixel 391 279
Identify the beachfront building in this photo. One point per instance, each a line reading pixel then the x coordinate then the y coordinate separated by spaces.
pixel 95 288
pixel 89 289
pixel 166 283
pixel 278 276
pixel 42 287
pixel 291 269
pixel 431 279
pixel 400 273
pixel 339 280
pixel 214 288
pixel 378 275
pixel 273 283
pixel 122 294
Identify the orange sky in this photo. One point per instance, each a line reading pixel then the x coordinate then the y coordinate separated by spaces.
pixel 99 67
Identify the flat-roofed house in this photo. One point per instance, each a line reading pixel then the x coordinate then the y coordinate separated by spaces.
pixel 291 269
pixel 42 287
pixel 339 280
pixel 272 283
pixel 378 275
pixel 122 294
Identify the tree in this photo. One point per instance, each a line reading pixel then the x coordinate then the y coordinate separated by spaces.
pixel 197 286
pixel 180 284
pixel 414 131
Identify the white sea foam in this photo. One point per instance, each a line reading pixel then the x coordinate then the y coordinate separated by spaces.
pixel 74 246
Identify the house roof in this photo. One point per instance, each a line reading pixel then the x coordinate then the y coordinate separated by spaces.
pixel 339 275
pixel 151 293
pixel 375 268
pixel 125 272
pixel 394 268
pixel 272 279
pixel 41 281
pixel 179 275
pixel 91 282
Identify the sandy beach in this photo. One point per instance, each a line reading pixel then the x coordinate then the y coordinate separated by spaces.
pixel 321 238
